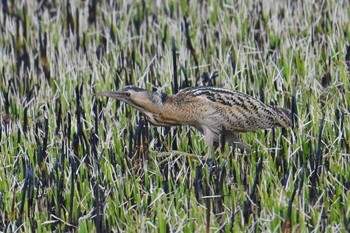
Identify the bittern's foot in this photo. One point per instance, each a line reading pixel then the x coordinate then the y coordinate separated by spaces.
pixel 207 157
pixel 207 160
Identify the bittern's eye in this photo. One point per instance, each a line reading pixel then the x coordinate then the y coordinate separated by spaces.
pixel 128 94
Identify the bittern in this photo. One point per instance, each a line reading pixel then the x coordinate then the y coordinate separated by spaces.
pixel 208 109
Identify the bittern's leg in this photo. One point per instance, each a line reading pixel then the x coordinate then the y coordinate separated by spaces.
pixel 210 153
pixel 234 140
pixel 209 138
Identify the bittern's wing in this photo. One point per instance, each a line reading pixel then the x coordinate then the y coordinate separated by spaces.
pixel 237 112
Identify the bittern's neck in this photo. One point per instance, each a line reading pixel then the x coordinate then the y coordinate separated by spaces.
pixel 156 101
pixel 166 113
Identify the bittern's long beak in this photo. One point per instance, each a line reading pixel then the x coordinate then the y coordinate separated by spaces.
pixel 113 94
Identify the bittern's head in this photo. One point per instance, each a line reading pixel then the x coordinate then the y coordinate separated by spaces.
pixel 141 99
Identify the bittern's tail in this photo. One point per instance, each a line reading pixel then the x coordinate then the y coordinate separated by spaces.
pixel 284 117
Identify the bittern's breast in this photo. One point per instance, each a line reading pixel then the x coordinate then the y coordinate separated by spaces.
pixel 161 119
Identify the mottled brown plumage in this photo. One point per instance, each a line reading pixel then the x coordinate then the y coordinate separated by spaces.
pixel 208 109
